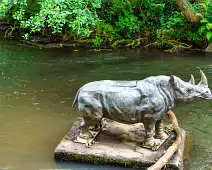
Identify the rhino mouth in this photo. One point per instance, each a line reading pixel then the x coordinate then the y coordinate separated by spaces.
pixel 205 97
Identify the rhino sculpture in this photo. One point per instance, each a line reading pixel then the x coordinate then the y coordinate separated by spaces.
pixel 131 102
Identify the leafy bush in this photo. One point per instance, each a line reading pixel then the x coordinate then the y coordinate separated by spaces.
pixel 206 18
pixel 55 16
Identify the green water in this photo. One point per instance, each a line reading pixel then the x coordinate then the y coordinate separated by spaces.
pixel 38 87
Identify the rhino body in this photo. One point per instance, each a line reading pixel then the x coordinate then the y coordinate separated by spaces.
pixel 130 102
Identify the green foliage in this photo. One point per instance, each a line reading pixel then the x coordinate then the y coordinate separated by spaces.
pixel 128 24
pixel 104 33
pixel 108 21
pixel 122 14
pixel 206 19
pixel 54 16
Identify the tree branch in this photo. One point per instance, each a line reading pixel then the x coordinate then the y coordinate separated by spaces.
pixel 188 11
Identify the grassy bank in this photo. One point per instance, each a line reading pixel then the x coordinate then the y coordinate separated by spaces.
pixel 110 23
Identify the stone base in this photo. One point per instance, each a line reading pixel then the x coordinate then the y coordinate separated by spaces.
pixel 117 144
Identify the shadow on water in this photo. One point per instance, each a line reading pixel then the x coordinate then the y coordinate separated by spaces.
pixel 38 86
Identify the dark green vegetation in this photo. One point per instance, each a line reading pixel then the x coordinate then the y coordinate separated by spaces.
pixel 157 23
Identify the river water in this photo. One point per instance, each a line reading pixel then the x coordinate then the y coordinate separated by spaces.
pixel 38 87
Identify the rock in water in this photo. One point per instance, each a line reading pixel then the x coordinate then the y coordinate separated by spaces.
pixel 209 48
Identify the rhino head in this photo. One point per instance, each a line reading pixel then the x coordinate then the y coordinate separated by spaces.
pixel 184 92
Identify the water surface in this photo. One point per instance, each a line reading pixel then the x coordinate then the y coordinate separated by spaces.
pixel 38 87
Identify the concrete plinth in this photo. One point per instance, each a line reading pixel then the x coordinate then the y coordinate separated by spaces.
pixel 117 144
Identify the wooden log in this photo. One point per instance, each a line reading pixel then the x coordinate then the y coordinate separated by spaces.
pixel 172 149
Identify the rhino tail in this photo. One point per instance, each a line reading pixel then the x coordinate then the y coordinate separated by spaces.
pixel 75 99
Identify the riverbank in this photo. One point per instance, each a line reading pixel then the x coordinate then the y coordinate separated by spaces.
pixel 148 42
pixel 111 24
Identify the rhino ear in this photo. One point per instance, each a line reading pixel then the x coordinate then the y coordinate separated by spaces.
pixel 171 80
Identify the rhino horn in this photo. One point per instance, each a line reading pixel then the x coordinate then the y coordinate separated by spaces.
pixel 203 80
pixel 192 80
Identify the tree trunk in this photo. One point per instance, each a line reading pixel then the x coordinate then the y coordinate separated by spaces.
pixel 188 11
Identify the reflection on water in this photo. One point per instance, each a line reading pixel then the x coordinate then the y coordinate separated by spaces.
pixel 38 86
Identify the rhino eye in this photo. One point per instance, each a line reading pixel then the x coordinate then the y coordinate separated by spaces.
pixel 189 90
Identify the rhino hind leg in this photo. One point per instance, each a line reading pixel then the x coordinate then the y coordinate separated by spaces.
pixel 159 132
pixel 92 120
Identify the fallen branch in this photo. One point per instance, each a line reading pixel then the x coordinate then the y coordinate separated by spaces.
pixel 172 149
pixel 128 42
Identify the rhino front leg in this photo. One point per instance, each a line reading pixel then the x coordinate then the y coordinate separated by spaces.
pixel 149 126
pixel 159 132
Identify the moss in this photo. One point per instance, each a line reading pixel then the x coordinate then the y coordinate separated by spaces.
pixel 120 42
pixel 87 41
pixel 136 42
pixel 176 46
pixel 128 42
pixel 98 160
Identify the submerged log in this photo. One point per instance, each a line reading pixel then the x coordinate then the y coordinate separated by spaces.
pixel 172 149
